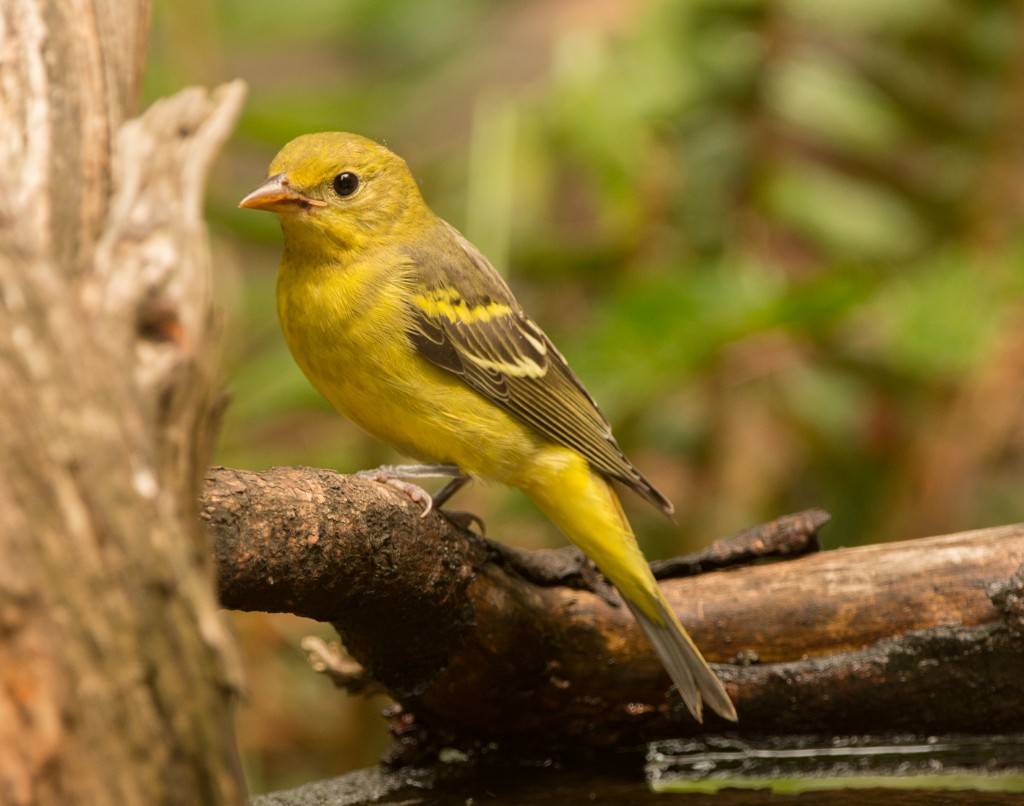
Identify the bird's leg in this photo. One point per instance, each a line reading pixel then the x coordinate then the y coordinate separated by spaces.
pixel 393 476
pixel 385 472
pixel 463 520
pixel 441 496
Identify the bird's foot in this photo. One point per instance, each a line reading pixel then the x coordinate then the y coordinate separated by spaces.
pixel 463 520
pixel 394 475
pixel 414 493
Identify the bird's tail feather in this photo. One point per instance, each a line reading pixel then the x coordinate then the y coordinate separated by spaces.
pixel 583 504
pixel 693 677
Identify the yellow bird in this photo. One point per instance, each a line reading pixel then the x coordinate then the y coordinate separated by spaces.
pixel 409 331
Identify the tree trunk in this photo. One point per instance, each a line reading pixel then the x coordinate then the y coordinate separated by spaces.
pixel 116 674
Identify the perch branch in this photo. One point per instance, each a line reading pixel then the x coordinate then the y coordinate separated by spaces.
pixel 906 636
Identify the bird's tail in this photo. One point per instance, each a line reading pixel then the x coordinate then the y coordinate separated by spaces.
pixel 585 507
pixel 696 681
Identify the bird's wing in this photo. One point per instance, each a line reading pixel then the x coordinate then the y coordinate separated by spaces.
pixel 466 320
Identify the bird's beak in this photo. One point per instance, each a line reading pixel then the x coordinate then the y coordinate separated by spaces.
pixel 276 195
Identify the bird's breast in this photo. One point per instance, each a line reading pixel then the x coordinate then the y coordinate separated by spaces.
pixel 346 331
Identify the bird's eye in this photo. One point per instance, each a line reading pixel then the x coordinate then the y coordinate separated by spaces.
pixel 346 183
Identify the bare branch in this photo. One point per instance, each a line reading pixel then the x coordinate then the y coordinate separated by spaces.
pixel 886 637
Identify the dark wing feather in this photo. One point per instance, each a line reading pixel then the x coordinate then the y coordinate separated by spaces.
pixel 467 322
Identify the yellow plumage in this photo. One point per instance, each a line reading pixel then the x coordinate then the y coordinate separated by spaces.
pixel 408 330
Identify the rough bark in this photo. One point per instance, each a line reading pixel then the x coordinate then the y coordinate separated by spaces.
pixel 918 636
pixel 115 672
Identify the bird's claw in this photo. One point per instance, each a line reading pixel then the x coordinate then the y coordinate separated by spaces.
pixel 411 491
pixel 464 520
pixel 394 475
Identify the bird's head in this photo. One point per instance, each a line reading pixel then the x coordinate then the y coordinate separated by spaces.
pixel 338 188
